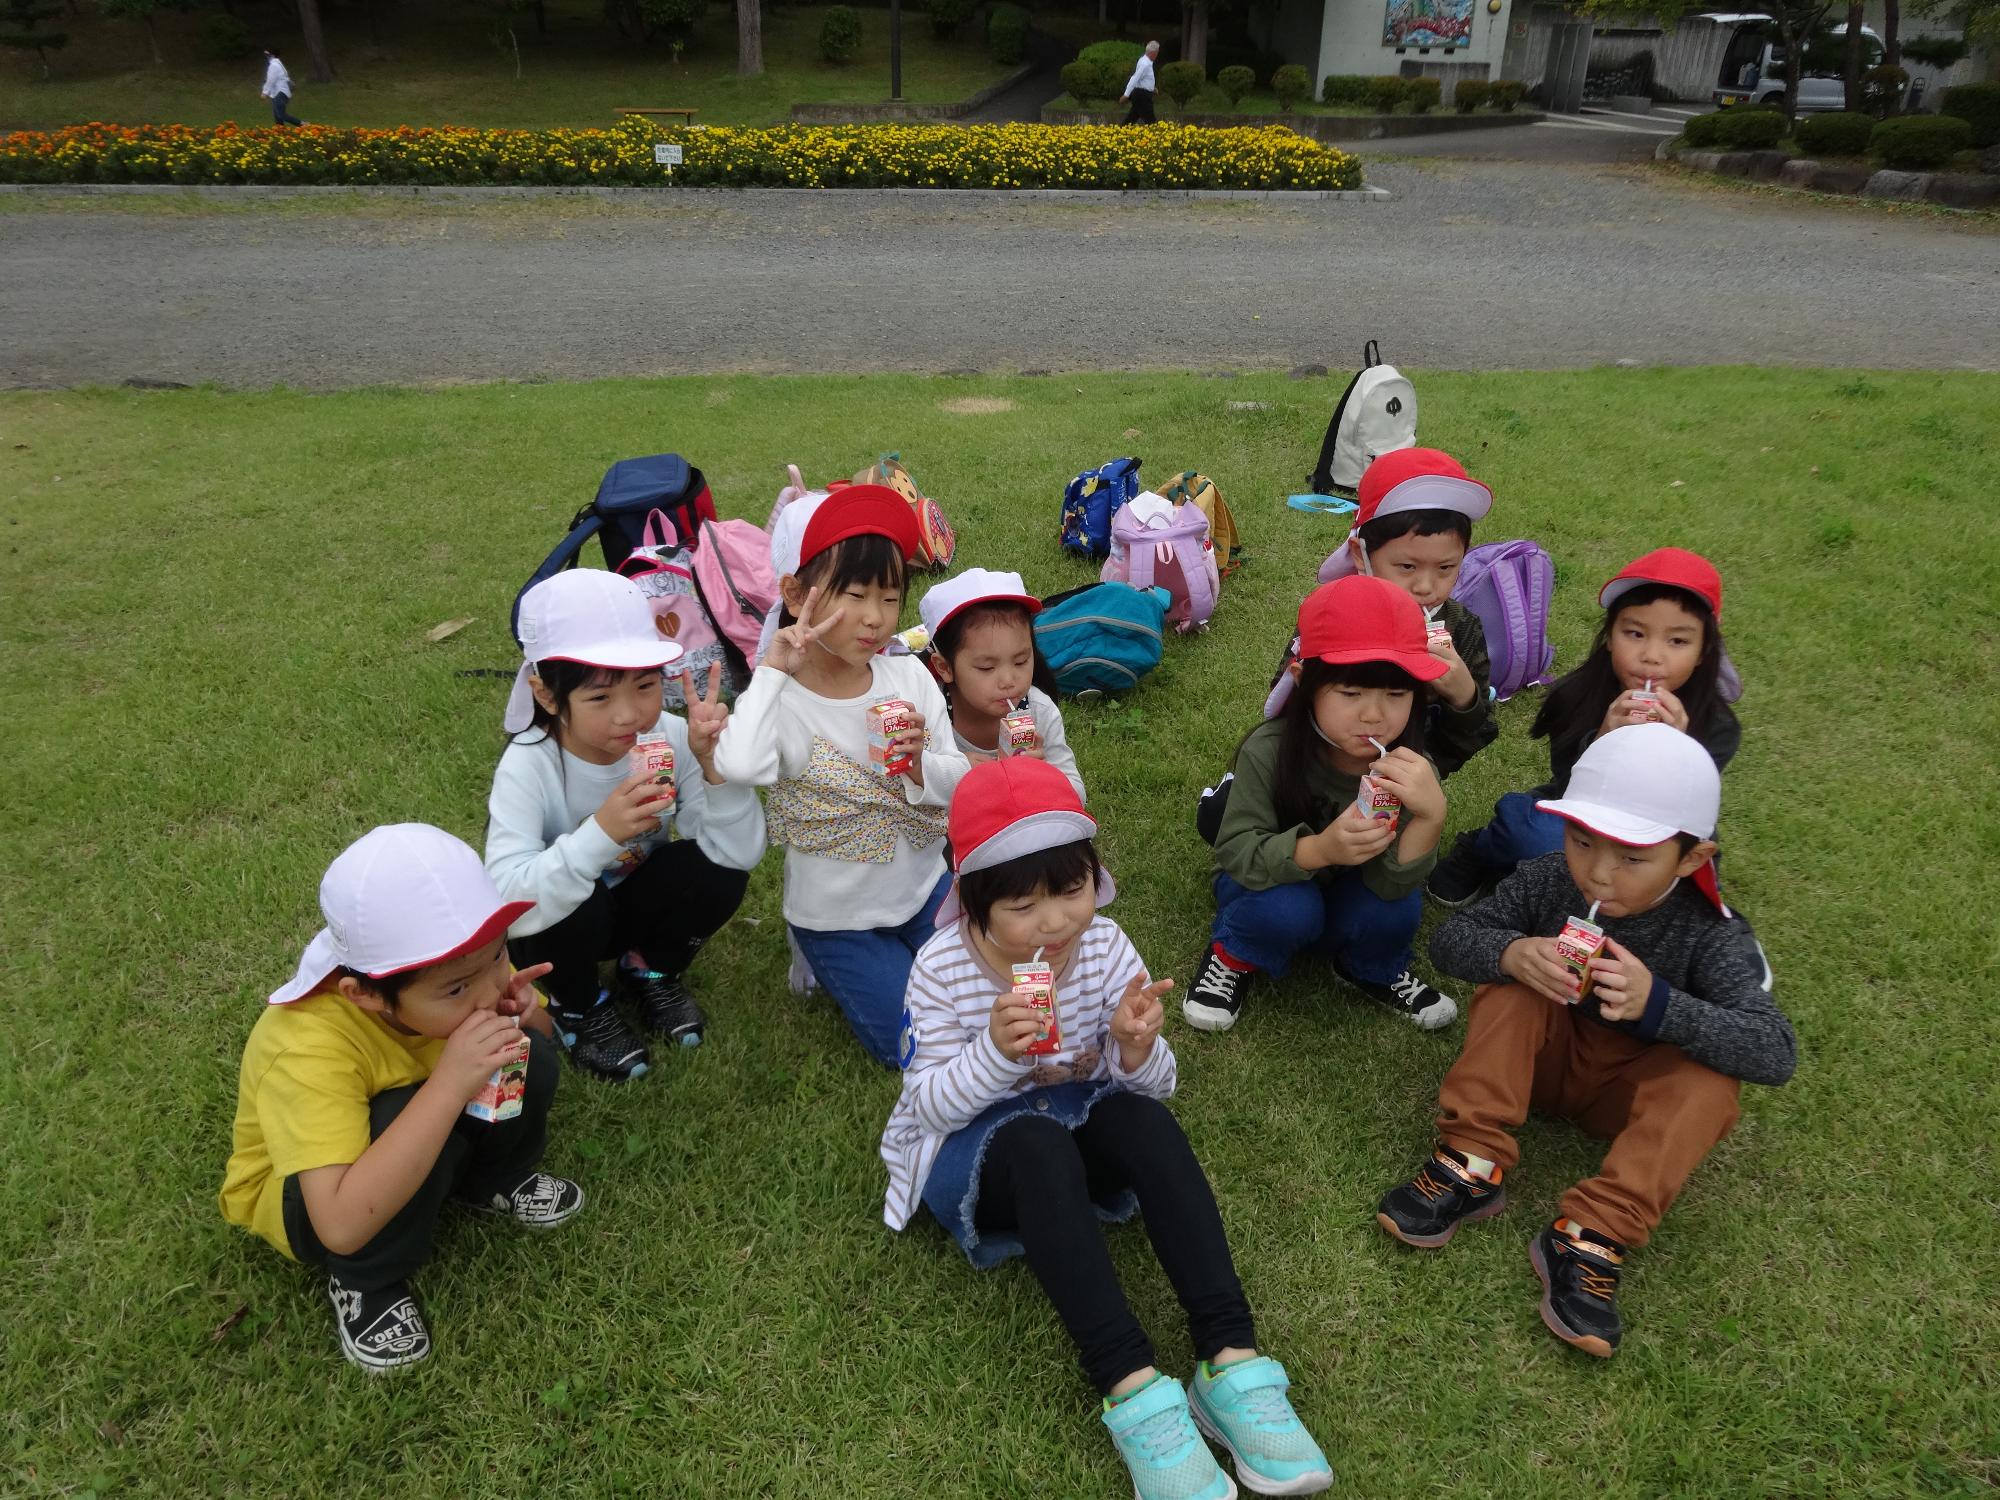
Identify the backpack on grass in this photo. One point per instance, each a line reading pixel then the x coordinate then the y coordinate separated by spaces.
pixel 1101 638
pixel 1377 414
pixel 936 542
pixel 1090 500
pixel 1509 585
pixel 1199 491
pixel 1155 543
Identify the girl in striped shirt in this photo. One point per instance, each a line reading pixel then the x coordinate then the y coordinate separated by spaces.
pixel 1019 1135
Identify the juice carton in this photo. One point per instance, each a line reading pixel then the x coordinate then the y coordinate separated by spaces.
pixel 1376 800
pixel 499 1098
pixel 1580 940
pixel 1035 982
pixel 887 718
pixel 1018 733
pixel 1646 699
pixel 653 755
pixel 1436 632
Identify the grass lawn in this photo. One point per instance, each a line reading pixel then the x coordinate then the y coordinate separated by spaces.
pixel 440 65
pixel 1250 104
pixel 221 678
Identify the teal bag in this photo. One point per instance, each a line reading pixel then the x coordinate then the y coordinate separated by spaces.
pixel 1101 638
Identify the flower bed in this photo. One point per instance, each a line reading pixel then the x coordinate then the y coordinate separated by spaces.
pixel 919 156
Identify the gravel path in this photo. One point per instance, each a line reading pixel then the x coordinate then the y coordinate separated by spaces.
pixel 1471 265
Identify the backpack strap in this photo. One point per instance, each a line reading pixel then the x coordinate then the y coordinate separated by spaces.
pixel 659 531
pixel 564 556
pixel 1514 606
pixel 1201 593
pixel 1371 355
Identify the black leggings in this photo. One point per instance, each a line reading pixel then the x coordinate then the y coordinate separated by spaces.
pixel 664 910
pixel 1038 1181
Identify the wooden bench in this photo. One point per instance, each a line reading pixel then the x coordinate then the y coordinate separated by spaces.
pixel 686 115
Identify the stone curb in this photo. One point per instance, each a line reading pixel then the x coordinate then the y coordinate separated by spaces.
pixel 956 195
pixel 1962 190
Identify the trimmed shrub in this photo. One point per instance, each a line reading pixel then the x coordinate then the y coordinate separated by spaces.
pixel 1505 93
pixel 1007 34
pixel 1291 84
pixel 1235 82
pixel 1385 93
pixel 1345 88
pixel 1920 143
pixel 1116 57
pixel 1701 131
pixel 1843 134
pixel 947 16
pixel 1422 94
pixel 1978 104
pixel 1181 81
pixel 1749 129
pixel 1084 81
pixel 224 39
pixel 840 34
pixel 1470 94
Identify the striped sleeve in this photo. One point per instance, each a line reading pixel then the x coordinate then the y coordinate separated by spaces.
pixel 951 1077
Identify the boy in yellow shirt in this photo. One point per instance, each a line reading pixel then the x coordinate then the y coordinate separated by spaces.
pixel 352 1124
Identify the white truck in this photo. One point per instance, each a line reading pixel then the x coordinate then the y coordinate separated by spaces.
pixel 1753 66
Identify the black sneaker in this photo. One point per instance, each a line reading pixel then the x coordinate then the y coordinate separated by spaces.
pixel 1461 876
pixel 379 1330
pixel 539 1202
pixel 665 1006
pixel 1427 1210
pixel 1423 1005
pixel 1217 997
pixel 1579 1270
pixel 600 1042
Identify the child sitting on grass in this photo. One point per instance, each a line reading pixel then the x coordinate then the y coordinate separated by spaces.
pixel 981 626
pixel 1298 864
pixel 351 1131
pixel 1658 659
pixel 575 828
pixel 1019 1145
pixel 1678 1009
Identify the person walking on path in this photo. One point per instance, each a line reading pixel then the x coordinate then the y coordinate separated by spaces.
pixel 278 89
pixel 1139 88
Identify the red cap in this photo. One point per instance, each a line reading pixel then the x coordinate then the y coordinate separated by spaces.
pixel 1356 619
pixel 860 510
pixel 1674 565
pixel 1005 808
pixel 1410 479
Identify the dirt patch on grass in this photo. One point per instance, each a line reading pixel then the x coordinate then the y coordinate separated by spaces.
pixel 976 406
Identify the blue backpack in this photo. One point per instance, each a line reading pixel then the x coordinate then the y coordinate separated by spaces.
pixel 1103 637
pixel 1089 501
pixel 1508 585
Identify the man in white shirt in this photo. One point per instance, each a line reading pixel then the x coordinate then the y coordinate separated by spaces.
pixel 1139 88
pixel 278 89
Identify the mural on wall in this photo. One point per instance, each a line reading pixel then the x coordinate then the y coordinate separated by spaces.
pixel 1428 23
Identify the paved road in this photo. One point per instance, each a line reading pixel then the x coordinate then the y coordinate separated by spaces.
pixel 1470 265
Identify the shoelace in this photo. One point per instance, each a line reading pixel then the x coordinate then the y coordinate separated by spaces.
pixel 1599 1284
pixel 1217 979
pixel 602 1024
pixel 1268 1408
pixel 1429 1186
pixel 1158 1437
pixel 1407 988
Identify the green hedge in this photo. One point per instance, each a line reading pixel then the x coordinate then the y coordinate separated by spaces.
pixel 1920 143
pixel 1842 134
pixel 1749 129
pixel 840 34
pixel 1345 88
pixel 1085 80
pixel 1291 83
pixel 1978 104
pixel 1181 81
pixel 1235 82
pixel 1422 94
pixel 1470 94
pixel 1385 92
pixel 1506 93
pixel 947 16
pixel 1007 34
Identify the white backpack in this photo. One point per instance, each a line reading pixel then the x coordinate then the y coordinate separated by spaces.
pixel 1377 415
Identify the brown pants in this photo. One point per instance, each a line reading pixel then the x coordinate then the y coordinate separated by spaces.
pixel 1661 1109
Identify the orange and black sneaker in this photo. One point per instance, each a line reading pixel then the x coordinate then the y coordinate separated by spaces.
pixel 1579 1269
pixel 1427 1210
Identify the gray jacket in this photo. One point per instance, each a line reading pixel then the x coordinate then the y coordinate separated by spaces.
pixel 1711 992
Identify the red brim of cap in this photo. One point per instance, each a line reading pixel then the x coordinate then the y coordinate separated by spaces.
pixel 1419 664
pixel 495 926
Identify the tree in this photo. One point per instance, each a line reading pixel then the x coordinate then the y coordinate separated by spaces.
pixel 503 13
pixel 21 29
pixel 315 39
pixel 1979 19
pixel 749 37
pixel 1795 21
pixel 144 12
pixel 1850 63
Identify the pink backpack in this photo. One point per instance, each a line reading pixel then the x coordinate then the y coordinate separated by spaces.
pixel 732 570
pixel 1155 544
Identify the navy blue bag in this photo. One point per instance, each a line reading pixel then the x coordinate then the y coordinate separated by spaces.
pixel 1089 501
pixel 1103 637
pixel 641 502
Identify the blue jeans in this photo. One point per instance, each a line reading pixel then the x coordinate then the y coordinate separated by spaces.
pixel 281 110
pixel 867 971
pixel 1340 919
pixel 1518 832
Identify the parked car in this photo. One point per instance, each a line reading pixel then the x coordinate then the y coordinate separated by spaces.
pixel 1753 66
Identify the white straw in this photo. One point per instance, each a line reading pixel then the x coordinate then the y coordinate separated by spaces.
pixel 1044 948
pixel 1592 917
pixel 1649 684
pixel 1379 750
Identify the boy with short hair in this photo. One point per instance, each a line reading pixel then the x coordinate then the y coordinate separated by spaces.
pixel 1676 1013
pixel 351 1126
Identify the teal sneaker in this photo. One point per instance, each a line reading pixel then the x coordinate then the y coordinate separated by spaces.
pixel 1244 1407
pixel 1157 1439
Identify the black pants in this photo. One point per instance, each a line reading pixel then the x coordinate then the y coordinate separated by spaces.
pixel 281 110
pixel 664 910
pixel 1037 1182
pixel 1142 108
pixel 480 1158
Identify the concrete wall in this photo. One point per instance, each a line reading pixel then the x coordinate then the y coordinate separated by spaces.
pixel 1687 61
pixel 1351 42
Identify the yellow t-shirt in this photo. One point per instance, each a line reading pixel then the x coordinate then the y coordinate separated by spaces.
pixel 309 1070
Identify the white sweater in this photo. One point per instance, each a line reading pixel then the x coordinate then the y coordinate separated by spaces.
pixel 957 1071
pixel 770 738
pixel 1055 743
pixel 545 845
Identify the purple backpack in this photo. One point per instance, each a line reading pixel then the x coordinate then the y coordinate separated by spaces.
pixel 1508 585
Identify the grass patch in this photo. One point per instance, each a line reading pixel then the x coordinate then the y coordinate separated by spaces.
pixel 1249 104
pixel 438 65
pixel 218 608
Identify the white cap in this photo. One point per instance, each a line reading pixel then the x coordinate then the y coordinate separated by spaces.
pixel 1642 784
pixel 587 616
pixel 400 897
pixel 973 586
pixel 788 531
